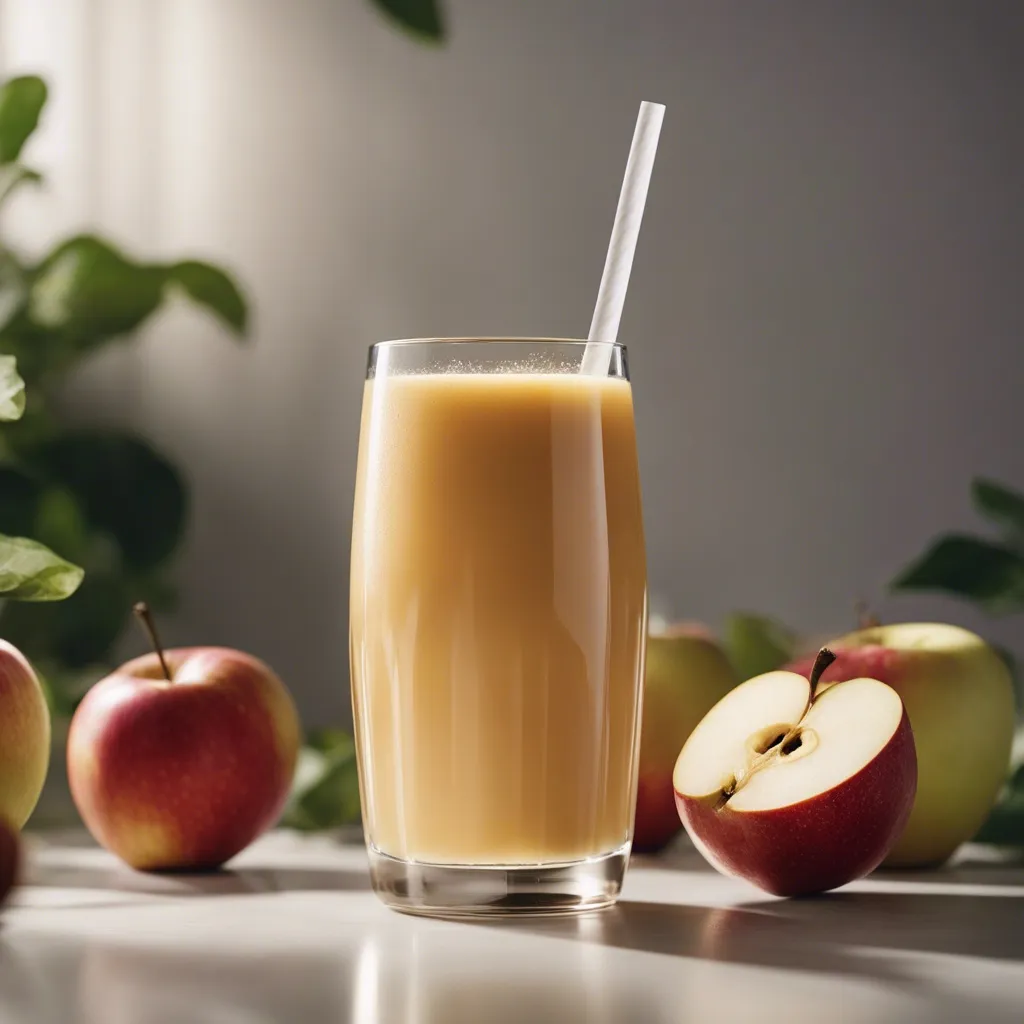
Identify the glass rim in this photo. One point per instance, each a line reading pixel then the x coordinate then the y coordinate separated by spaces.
pixel 495 340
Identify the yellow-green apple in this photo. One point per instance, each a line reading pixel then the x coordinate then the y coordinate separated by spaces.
pixel 24 736
pixel 180 759
pixel 795 791
pixel 959 695
pixel 9 858
pixel 686 674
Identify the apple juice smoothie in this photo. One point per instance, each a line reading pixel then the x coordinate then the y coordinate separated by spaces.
pixel 498 616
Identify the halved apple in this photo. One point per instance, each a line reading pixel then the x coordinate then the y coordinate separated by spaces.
pixel 795 792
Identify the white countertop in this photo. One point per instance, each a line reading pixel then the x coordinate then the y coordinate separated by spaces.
pixel 293 934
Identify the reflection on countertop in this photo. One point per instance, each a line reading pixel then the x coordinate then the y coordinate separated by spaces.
pixel 292 934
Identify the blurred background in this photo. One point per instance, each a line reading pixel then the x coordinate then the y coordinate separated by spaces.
pixel 825 315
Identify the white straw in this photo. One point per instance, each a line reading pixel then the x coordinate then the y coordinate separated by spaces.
pixel 611 296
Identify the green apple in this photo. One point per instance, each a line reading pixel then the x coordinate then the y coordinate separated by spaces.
pixel 24 736
pixel 959 696
pixel 687 674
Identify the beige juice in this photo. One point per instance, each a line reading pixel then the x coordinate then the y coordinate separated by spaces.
pixel 498 614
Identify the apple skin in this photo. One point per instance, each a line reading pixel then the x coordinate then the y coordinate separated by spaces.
pixel 686 675
pixel 820 843
pixel 24 736
pixel 183 774
pixel 10 859
pixel 959 697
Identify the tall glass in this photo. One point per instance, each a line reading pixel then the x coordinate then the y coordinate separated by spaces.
pixel 498 622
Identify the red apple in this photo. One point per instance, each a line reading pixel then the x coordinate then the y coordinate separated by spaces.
pixel 959 695
pixel 797 792
pixel 24 736
pixel 180 759
pixel 686 673
pixel 9 858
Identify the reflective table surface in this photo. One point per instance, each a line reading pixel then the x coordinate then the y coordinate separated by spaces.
pixel 292 934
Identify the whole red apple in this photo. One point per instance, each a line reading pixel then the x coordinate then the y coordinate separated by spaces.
pixel 10 858
pixel 795 791
pixel 180 759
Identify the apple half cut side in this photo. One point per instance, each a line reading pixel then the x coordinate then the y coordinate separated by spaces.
pixel 796 793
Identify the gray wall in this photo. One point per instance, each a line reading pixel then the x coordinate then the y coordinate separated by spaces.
pixel 826 314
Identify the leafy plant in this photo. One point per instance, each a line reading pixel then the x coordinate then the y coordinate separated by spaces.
pixel 988 573
pixel 420 17
pixel 757 644
pixel 326 790
pixel 1005 825
pixel 28 570
pixel 104 498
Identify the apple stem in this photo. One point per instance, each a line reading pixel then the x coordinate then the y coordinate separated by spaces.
pixel 145 617
pixel 821 662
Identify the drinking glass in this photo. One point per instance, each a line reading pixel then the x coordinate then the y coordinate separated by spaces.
pixel 498 624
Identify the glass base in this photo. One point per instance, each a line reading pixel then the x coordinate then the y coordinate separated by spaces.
pixel 499 890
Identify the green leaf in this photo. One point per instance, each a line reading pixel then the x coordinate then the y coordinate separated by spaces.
pixel 60 523
pixel 1005 825
pixel 12 390
pixel 1004 507
pixel 124 488
pixel 990 575
pixel 75 633
pixel 86 291
pixel 326 790
pixel 31 572
pixel 334 743
pixel 757 644
pixel 211 287
pixel 421 17
pixel 21 102
pixel 13 175
pixel 48 513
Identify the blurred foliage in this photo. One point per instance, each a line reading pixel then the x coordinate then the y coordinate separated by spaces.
pixel 12 390
pixel 105 499
pixel 755 644
pixel 1005 825
pixel 28 570
pixel 988 573
pixel 420 17
pixel 325 793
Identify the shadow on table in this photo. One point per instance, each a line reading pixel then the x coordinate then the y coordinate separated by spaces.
pixel 839 933
pixel 968 869
pixel 226 882
pixel 973 865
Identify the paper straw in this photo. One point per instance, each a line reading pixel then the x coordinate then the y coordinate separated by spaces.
pixel 611 296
